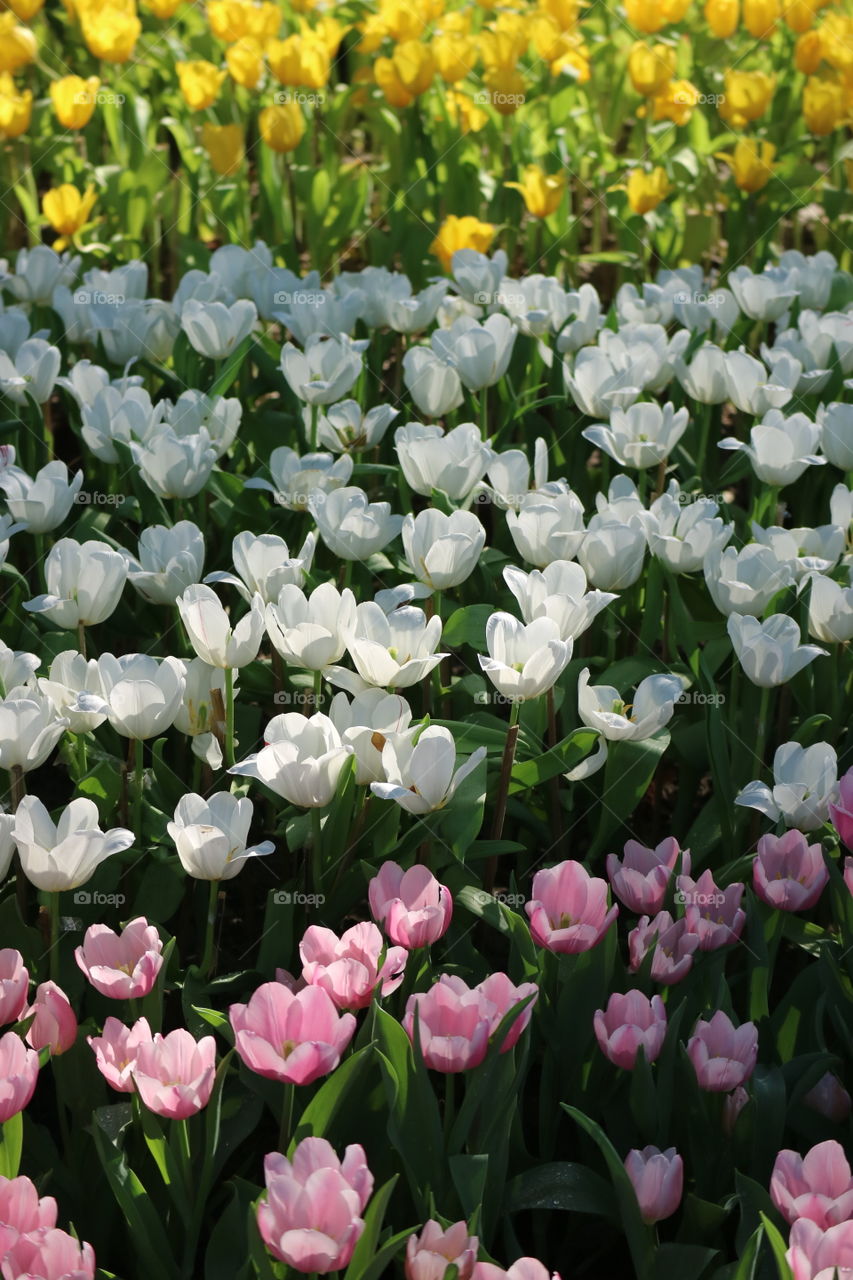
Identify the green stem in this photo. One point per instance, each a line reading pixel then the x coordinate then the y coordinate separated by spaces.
pixel 208 962
pixel 138 776
pixel 315 414
pixel 503 785
pixel 763 725
pixel 316 850
pixel 81 638
pixel 229 717
pixel 286 1125
pixel 318 690
pixel 53 908
pixel 82 760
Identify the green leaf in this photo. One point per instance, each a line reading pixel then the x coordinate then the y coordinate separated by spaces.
pixel 366 1248
pixel 467 626
pixel 319 1115
pixel 559 759
pixel 414 1124
pixel 561 1185
pixel 629 770
pixel 11 1145
pixel 675 1261
pixel 777 1244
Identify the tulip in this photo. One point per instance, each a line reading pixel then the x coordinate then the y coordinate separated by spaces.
pixel 674 942
pixel 67 210
pixel 830 616
pixel 110 33
pixel 245 62
pixel 453 462
pixel 430 1254
pixel 174 466
pixel 199 83
pixel 29 728
pixel 658 1179
pixel 264 565
pixel 211 835
pixel 629 1023
pixel 31 376
pixel 769 652
pixel 820 1255
pixel 282 127
pixel 170 560
pixel 201 714
pixel 84 583
pixel 433 383
pixel 521 1269
pixel 324 371
pixel 54 1025
pixel 751 163
pixel 547 528
pixel 48 1254
pixel 421 774
pixel 600 707
pixel 650 68
pixel 215 641
pixel 73 100
pixel 640 880
pixel 456 234
pixel 789 873
pixel 393 650
pixel 722 17
pixel 348 968
pixel 568 909
pixel 840 812
pixel 745 581
pixel 296 1038
pixel 302 760
pixel 70 674
pixel 558 592
pixel 455 1022
pixel 300 60
pixel 480 353
pixel 412 907
pixel 311 631
pixel 366 724
pixel 297 480
pixel 747 96
pixel 823 106
pixel 611 553
pixel 352 527
pixel 19 1068
pixel 647 190
pixel 142 696
pixel 642 436
pixel 39 271
pixel 214 329
pixel 829 1099
pixel 442 551
pixel 510 479
pixel 818 1186
pixel 22 1212
pixel 311 1216
pixel 682 536
pixel 836 433
pixel 119 414
pixel 780 448
pixel 174 1074
pixel 14 985
pixel 723 1055
pixel 716 915
pixel 116 1050
pixel 524 661
pixel 754 391
pixel 16 108
pixel 344 427
pixel 122 966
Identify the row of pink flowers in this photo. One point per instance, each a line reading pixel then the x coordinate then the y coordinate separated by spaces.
pixel 814 1193
pixel 173 1074
pixel 31 1245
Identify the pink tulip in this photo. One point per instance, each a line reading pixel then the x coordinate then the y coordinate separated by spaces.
pixel 720 920
pixel 412 907
pixel 568 910
pixel 296 1037
pixel 19 1069
pixel 48 1254
pixel 732 1107
pixel 174 1073
pixel 629 1022
pixel 14 984
pixel 311 1217
pixel 22 1211
pixel 674 942
pixel 522 1269
pixel 658 1179
pixel 818 1186
pixel 348 968
pixel 640 879
pixel 116 1049
pixel 122 966
pixel 841 813
pixel 456 1022
pixel 54 1026
pixel 723 1055
pixel 829 1099
pixel 788 872
pixel 429 1254
pixel 820 1255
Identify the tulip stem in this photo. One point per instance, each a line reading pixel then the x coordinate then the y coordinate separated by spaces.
pixel 318 690
pixel 229 717
pixel 316 850
pixel 286 1124
pixel 82 759
pixel 208 960
pixel 53 909
pixel 315 413
pixel 763 726
pixel 138 777
pixel 81 638
pixel 503 787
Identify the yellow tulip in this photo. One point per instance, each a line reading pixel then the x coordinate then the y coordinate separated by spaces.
pixel 17 44
pixel 388 78
pixel 464 112
pixel 74 99
pixel 507 89
pixel 228 19
pixel 67 210
pixel 328 30
pixel 224 146
pixel 162 8
pixel 262 21
pixel 808 52
pixel 282 127
pixel 501 49
pixel 722 16
pixel 16 108
pixel 675 10
pixel 836 37
pixel 541 191
pixel 300 60
pixel 200 83
pixel 760 17
pixel 646 15
pixel 26 10
pixel 566 13
pixel 746 96
pixel 245 62
pixel 799 15
pixel 676 103
pixel 455 57
pixel 751 163
pixel 408 72
pixel 403 21
pixel 457 23
pixel 461 233
pixel 823 105
pixel 651 68
pixel 573 61
pixel 110 34
pixel 647 190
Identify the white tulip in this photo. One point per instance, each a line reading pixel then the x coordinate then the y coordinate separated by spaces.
pixel 7 842
pixel 175 466
pixel 803 550
pixel 211 833
pixel 585 320
pixel 809 275
pixel 138 330
pixel 598 384
pixel 211 634
pixel 41 503
pixel 745 581
pixel 141 695
pixel 395 650
pixel 7 527
pixel 433 384
pixel 600 707
pixel 510 479
pixel 442 551
pixel 770 652
pixel 524 661
pixel 717 311
pixel 762 297
pixel 830 610
pixel 59 856
pixel 38 272
pixel 32 374
pixel 295 479
pixel 560 593
pixel 453 462
pixel 119 414
pixel 345 428
pixel 17 668
pixel 170 560
pixel 805 781
pixel 704 379
pixel 214 329
pixel 324 372
pixel 547 527
pixel 30 727
pixel 836 433
pixel 219 417
pixel 372 718
pixel 780 449
pixel 612 551
pixel 480 353
pixel 352 527
pixel 311 313
pixel 642 436
pixel 681 534
pixel 475 274
pixel 311 631
pixel 302 761
pixel 69 674
pixel 416 313
pixel 14 330
pixel 749 387
pixel 84 583
pixel 201 715
pixel 265 565
pixel 422 774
